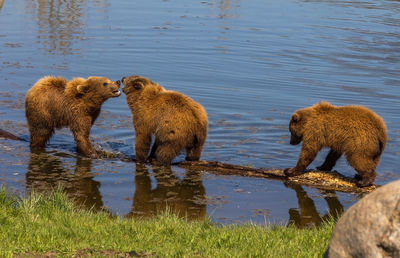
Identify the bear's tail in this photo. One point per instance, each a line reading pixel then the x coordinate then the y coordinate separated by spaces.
pixel 8 135
pixel 201 134
pixel 381 144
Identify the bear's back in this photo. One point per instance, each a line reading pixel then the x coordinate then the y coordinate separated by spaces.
pixel 182 106
pixel 47 86
pixel 353 116
pixel 176 112
pixel 46 101
pixel 171 111
pixel 51 82
pixel 361 117
pixel 349 126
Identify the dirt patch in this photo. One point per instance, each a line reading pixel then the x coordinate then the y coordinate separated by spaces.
pixel 109 253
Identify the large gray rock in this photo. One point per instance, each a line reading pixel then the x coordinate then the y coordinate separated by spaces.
pixel 371 227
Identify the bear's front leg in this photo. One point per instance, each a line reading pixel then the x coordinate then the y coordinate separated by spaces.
pixel 85 147
pixel 142 145
pixel 83 143
pixel 307 155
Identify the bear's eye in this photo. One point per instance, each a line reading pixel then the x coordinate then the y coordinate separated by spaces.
pixel 105 84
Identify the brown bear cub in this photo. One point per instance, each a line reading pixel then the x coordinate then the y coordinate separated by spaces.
pixel 54 103
pixel 176 121
pixel 355 131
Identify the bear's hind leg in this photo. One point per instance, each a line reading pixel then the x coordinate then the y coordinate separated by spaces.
pixel 193 153
pixel 330 160
pixel 39 137
pixel 165 153
pixel 365 178
pixel 365 168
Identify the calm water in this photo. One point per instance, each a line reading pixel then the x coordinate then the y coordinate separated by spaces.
pixel 249 63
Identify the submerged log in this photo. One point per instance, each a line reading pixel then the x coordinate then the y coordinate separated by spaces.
pixel 326 180
pixel 7 135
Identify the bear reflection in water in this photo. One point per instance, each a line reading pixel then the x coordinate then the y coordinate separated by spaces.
pixel 46 172
pixel 183 197
pixel 157 189
pixel 307 214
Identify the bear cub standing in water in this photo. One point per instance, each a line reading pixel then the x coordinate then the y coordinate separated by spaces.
pixel 176 121
pixel 355 131
pixel 54 103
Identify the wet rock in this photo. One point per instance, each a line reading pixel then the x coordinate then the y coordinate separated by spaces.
pixel 371 227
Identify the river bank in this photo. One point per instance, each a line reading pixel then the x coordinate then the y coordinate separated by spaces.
pixel 52 225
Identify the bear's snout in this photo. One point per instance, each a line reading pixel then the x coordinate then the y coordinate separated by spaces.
pixel 122 80
pixel 115 88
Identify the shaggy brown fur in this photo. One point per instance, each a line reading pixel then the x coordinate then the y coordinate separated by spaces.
pixel 356 131
pixel 54 103
pixel 176 121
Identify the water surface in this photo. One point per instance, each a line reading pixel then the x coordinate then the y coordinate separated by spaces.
pixel 251 64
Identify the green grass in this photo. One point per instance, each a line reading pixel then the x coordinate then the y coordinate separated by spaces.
pixel 53 225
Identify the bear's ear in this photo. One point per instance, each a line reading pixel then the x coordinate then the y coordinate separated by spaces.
pixel 137 85
pixel 83 88
pixel 296 117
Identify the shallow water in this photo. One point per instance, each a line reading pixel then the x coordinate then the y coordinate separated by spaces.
pixel 249 63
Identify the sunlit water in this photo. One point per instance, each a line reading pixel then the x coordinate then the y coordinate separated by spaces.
pixel 249 63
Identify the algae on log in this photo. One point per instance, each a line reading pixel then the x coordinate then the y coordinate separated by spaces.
pixel 327 180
